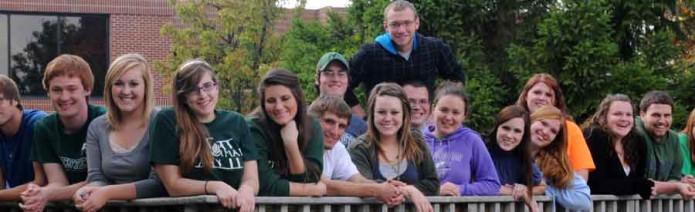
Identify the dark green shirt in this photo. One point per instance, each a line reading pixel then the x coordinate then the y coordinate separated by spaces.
pixel 52 145
pixel 229 139
pixel 664 159
pixel 274 184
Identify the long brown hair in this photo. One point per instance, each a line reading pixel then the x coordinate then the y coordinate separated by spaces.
pixel 271 129
pixel 523 150
pixel 599 119
pixel 404 136
pixel 550 81
pixel 193 136
pixel 688 130
pixel 553 159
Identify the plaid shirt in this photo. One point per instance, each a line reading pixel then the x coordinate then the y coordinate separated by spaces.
pixel 373 64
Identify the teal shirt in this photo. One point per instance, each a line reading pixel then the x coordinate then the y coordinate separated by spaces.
pixel 664 157
pixel 687 159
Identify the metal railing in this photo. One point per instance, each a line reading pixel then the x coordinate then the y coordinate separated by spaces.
pixel 602 203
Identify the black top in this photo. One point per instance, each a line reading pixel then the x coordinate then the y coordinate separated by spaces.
pixel 609 176
pixel 374 64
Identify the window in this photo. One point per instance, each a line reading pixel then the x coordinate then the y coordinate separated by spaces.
pixel 4 48
pixel 34 40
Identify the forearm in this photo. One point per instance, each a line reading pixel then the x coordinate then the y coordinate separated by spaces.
pixel 304 189
pixel 57 192
pixel 538 190
pixel 13 194
pixel 121 191
pixel 505 190
pixel 347 188
pixel 295 161
pixel 666 187
pixel 188 187
pixel 584 173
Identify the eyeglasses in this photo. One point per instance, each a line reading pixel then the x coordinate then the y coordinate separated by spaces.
pixel 414 102
pixel 397 25
pixel 331 74
pixel 207 87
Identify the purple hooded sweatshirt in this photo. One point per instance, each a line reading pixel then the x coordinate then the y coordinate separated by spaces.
pixel 461 158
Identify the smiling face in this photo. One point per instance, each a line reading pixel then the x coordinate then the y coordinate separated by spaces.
pixel 68 96
pixel 657 119
pixel 418 99
pixel 8 110
pixel 128 91
pixel 539 95
pixel 544 131
pixel 280 104
pixel 449 114
pixel 203 98
pixel 510 133
pixel 333 128
pixel 388 115
pixel 619 119
pixel 401 26
pixel 334 80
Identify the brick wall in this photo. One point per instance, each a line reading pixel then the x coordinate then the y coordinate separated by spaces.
pixel 134 28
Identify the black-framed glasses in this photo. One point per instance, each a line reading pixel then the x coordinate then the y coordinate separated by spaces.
pixel 207 87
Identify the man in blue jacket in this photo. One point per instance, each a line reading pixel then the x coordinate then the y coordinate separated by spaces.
pixel 16 135
pixel 400 55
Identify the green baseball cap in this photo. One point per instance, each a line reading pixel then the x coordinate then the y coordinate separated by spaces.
pixel 330 57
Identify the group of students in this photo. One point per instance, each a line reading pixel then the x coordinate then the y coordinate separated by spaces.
pixel 131 149
pixel 410 143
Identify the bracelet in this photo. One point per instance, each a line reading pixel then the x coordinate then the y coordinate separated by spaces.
pixel 206 187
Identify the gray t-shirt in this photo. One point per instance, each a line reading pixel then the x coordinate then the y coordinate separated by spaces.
pixel 106 167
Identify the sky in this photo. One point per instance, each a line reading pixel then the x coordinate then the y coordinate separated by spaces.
pixel 316 4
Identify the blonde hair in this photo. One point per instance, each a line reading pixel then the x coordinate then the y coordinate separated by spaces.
pixel 120 66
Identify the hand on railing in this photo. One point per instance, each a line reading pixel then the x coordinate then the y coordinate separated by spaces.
pixel 389 193
pixel 246 200
pixel 686 190
pixel 225 193
pixel 422 204
pixel 34 198
pixel 318 189
pixel 91 198
pixel 449 189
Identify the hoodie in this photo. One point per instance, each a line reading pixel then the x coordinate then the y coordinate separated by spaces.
pixel 462 158
pixel 384 40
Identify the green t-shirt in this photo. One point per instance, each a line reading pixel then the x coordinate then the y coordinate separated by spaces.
pixel 52 145
pixel 274 184
pixel 664 159
pixel 230 142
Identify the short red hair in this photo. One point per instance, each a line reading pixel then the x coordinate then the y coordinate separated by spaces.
pixel 70 65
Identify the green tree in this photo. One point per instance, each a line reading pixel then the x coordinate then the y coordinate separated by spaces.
pixel 307 41
pixel 234 36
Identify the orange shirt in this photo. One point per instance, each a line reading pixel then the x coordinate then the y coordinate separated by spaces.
pixel 578 151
